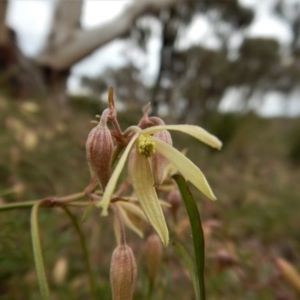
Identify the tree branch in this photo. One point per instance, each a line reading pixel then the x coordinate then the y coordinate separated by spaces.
pixel 84 42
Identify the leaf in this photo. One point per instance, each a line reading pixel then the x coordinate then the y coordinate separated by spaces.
pixel 190 266
pixel 37 253
pixel 197 232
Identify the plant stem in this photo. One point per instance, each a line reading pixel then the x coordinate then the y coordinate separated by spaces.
pixel 120 224
pixel 25 204
pixel 8 192
pixel 84 250
pixel 29 204
pixel 37 253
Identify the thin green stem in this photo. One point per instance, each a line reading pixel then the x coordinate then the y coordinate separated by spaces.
pixel 116 153
pixel 150 288
pixel 25 204
pixel 79 204
pixel 8 192
pixel 29 204
pixel 84 250
pixel 120 224
pixel 189 263
pixel 37 252
pixel 71 197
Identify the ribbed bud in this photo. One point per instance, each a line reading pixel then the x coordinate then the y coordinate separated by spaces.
pixel 153 255
pixel 99 151
pixel 159 162
pixel 174 198
pixel 123 273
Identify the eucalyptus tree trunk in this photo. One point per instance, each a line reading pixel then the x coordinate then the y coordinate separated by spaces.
pixel 68 43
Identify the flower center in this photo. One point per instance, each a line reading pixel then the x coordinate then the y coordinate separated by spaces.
pixel 145 145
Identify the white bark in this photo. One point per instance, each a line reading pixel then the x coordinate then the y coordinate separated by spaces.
pixel 75 44
pixel 65 21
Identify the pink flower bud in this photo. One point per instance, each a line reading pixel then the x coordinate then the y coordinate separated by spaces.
pixel 153 255
pixel 123 273
pixel 159 162
pixel 99 151
pixel 174 198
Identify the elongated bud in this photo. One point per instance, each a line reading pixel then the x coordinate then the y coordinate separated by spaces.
pixel 159 162
pixel 153 255
pixel 174 198
pixel 99 150
pixel 123 273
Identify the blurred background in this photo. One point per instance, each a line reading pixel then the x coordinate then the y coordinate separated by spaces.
pixel 230 66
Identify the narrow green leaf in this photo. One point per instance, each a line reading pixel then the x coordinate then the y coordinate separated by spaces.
pixel 37 252
pixel 190 266
pixel 87 213
pixel 197 232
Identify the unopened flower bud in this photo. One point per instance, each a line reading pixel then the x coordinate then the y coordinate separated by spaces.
pixel 174 198
pixel 99 150
pixel 153 255
pixel 159 162
pixel 123 273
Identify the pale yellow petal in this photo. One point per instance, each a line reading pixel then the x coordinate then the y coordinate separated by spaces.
pixel 164 203
pixel 104 203
pixel 195 131
pixel 142 182
pixel 187 168
pixel 134 209
pixel 129 223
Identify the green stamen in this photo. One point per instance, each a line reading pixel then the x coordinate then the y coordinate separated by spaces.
pixel 145 145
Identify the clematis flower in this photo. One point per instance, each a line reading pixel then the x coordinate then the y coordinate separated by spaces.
pixel 141 175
